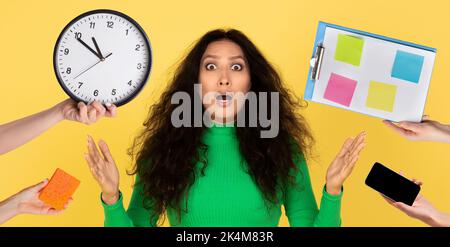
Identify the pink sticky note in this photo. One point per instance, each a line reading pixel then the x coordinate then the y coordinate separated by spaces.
pixel 340 89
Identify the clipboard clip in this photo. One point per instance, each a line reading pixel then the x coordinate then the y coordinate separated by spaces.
pixel 316 62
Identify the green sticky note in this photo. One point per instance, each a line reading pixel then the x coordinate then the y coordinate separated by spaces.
pixel 349 49
pixel 381 96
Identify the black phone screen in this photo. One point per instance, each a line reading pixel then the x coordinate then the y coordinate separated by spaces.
pixel 392 185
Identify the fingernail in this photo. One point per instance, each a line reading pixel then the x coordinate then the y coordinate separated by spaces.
pixel 108 104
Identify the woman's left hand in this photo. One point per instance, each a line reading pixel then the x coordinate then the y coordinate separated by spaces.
pixel 343 164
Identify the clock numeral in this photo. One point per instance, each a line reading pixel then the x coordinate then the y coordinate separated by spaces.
pixel 139 66
pixel 129 83
pixel 78 35
pixel 66 51
pixel 113 92
pixel 96 93
pixel 80 84
pixel 92 25
pixel 138 47
pixel 68 70
pixel 110 24
pixel 126 32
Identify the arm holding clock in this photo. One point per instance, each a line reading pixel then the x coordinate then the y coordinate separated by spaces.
pixel 110 86
pixel 19 132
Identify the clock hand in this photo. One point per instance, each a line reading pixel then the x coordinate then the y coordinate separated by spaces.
pixel 98 49
pixel 108 55
pixel 89 48
pixel 84 71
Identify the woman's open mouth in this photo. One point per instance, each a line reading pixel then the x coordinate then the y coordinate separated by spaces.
pixel 224 100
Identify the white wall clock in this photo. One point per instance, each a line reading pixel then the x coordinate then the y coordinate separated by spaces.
pixel 102 55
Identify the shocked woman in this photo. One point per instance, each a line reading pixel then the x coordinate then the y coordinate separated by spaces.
pixel 223 174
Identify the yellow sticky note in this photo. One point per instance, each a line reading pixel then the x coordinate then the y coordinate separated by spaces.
pixel 349 49
pixel 381 96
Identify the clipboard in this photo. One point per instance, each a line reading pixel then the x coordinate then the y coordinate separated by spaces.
pixel 368 73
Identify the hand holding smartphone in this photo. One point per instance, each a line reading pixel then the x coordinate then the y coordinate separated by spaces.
pixel 392 185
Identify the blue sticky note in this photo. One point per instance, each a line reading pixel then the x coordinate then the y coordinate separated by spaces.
pixel 407 66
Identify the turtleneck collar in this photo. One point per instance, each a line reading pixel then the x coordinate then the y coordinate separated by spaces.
pixel 222 129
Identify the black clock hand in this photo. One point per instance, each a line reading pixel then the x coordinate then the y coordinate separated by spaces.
pixel 108 55
pixel 84 71
pixel 98 49
pixel 89 48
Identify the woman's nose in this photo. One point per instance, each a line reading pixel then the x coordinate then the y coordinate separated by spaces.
pixel 224 79
pixel 224 83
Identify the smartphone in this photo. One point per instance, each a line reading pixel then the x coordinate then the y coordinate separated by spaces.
pixel 392 185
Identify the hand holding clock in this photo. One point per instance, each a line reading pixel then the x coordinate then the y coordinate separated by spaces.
pixel 21 131
pixel 87 114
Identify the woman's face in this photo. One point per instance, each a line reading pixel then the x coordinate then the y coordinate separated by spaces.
pixel 223 74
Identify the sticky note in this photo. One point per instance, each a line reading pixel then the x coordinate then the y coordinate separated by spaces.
pixel 381 96
pixel 349 49
pixel 59 189
pixel 340 89
pixel 407 66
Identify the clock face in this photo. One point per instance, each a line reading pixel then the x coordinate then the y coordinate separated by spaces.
pixel 102 55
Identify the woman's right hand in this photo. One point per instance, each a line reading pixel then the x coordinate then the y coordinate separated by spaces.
pixel 104 170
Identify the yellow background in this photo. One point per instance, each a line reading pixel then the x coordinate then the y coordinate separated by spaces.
pixel 283 30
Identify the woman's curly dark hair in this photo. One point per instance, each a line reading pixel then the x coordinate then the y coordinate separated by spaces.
pixel 165 156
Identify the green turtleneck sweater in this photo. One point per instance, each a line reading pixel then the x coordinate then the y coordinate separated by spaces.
pixel 227 195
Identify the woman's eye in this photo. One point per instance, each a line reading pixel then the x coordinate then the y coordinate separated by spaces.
pixel 237 67
pixel 210 66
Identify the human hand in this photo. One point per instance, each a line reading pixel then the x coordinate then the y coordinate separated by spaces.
pixel 28 202
pixel 87 114
pixel 427 130
pixel 421 209
pixel 104 170
pixel 343 164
